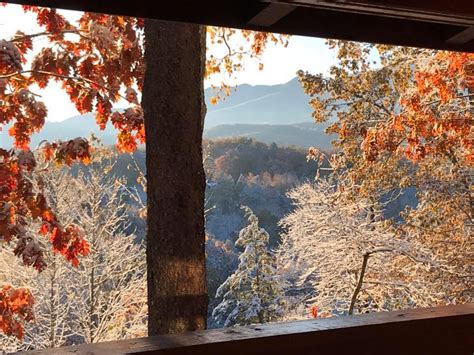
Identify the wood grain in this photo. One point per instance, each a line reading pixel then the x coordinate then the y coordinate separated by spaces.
pixel 420 23
pixel 443 330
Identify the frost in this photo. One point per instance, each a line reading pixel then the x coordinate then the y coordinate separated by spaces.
pixel 252 293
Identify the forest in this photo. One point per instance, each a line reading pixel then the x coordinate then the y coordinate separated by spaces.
pixel 381 221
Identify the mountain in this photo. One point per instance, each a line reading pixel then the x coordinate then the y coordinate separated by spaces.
pixel 76 126
pixel 268 113
pixel 302 135
pixel 260 104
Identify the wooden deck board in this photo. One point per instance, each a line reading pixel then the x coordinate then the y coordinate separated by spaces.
pixel 443 330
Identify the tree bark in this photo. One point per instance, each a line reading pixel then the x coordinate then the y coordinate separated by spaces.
pixel 359 283
pixel 363 269
pixel 173 102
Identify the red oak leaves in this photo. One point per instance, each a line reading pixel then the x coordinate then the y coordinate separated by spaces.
pixel 435 116
pixel 22 200
pixel 97 61
pixel 15 308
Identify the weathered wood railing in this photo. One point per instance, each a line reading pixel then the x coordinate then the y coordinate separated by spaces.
pixel 443 330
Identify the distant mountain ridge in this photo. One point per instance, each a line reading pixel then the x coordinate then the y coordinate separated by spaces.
pixel 303 135
pixel 260 104
pixel 268 113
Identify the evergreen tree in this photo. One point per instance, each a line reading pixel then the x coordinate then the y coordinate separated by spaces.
pixel 251 294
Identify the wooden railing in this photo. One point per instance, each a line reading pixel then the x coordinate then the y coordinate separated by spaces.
pixel 443 330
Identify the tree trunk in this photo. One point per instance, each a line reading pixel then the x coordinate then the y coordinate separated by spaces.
pixel 173 101
pixel 359 283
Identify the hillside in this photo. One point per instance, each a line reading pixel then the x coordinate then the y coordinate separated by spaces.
pixel 302 135
pixel 267 113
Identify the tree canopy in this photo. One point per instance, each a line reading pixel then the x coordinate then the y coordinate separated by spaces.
pixel 404 118
pixel 98 61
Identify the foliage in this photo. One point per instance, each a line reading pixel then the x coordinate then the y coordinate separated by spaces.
pixel 23 198
pixel 251 294
pixel 15 308
pixel 244 156
pixel 326 239
pixel 435 116
pixel 246 172
pixel 252 46
pixel 404 120
pixel 97 61
pixel 104 297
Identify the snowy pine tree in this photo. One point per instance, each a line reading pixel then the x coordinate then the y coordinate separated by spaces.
pixel 251 294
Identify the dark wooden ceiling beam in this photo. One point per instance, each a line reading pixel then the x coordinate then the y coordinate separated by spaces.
pixel 462 37
pixel 436 24
pixel 326 23
pixel 397 9
pixel 271 14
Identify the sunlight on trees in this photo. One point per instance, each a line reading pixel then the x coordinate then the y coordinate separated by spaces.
pixel 104 297
pixel 98 61
pixel 321 256
pixel 252 293
pixel 404 122
pixel 407 124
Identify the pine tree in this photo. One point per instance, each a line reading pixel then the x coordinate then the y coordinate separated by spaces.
pixel 251 294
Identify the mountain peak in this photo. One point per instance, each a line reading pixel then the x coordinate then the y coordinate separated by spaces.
pixel 282 104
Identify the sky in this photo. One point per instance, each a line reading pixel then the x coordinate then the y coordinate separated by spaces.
pixel 280 64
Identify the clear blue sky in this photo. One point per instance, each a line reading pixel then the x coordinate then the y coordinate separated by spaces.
pixel 280 64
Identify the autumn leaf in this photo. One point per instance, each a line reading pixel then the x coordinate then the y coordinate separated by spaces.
pixel 16 308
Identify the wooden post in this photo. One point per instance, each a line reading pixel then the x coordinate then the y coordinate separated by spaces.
pixel 173 101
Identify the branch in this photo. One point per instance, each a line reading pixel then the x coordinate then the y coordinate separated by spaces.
pixel 61 76
pixel 454 98
pixel 227 44
pixel 46 33
pixel 362 274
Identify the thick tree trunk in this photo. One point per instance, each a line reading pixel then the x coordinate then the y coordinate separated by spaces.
pixel 173 100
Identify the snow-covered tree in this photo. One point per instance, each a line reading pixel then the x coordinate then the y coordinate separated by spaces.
pixel 104 297
pixel 52 302
pixel 110 289
pixel 52 288
pixel 342 256
pixel 252 293
pixel 221 261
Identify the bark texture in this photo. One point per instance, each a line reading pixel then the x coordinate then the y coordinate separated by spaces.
pixel 173 101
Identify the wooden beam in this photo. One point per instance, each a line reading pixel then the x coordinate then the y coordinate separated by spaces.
pixel 441 330
pixel 369 21
pixel 396 9
pixel 462 37
pixel 271 14
pixel 309 21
